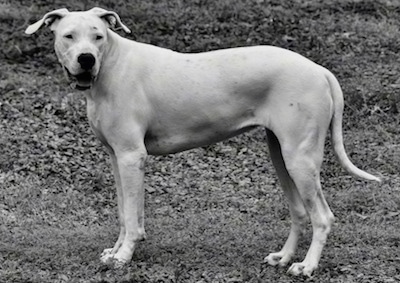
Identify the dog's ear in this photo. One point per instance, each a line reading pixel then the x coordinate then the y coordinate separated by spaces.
pixel 111 18
pixel 48 20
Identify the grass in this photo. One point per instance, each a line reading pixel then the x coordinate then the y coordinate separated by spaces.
pixel 214 213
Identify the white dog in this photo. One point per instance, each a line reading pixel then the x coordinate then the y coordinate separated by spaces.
pixel 149 100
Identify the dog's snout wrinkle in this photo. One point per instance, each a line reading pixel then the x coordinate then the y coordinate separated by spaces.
pixel 86 60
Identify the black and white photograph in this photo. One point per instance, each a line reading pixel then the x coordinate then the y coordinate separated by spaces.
pixel 200 141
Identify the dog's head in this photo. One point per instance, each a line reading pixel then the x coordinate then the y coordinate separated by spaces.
pixel 80 40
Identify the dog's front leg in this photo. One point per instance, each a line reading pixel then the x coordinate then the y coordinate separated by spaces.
pixel 129 167
pixel 110 252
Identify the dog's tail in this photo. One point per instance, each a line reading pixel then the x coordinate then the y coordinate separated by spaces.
pixel 337 133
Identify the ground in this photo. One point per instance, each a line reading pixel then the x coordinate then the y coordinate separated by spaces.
pixel 214 213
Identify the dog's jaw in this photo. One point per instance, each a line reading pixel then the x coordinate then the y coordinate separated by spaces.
pixel 82 81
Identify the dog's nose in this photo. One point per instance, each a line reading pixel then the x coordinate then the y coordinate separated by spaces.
pixel 86 60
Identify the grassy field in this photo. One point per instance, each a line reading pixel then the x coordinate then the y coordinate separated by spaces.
pixel 214 213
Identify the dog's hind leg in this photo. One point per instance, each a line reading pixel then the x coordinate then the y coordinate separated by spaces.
pixel 303 159
pixel 297 211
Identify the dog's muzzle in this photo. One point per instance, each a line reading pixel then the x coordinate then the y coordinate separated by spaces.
pixel 85 78
pixel 82 81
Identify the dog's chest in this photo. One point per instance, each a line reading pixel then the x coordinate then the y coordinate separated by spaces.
pixel 94 114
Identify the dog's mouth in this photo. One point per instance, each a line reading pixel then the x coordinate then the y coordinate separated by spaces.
pixel 82 81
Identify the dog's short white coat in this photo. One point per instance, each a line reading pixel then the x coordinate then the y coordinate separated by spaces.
pixel 150 100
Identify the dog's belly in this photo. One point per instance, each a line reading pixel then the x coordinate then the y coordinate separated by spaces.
pixel 183 132
pixel 159 144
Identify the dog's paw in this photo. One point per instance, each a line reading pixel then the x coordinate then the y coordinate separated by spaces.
pixel 106 253
pixel 107 256
pixel 301 269
pixel 111 260
pixel 275 259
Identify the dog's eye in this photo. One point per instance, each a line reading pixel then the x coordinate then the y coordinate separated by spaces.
pixel 69 36
pixel 99 37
